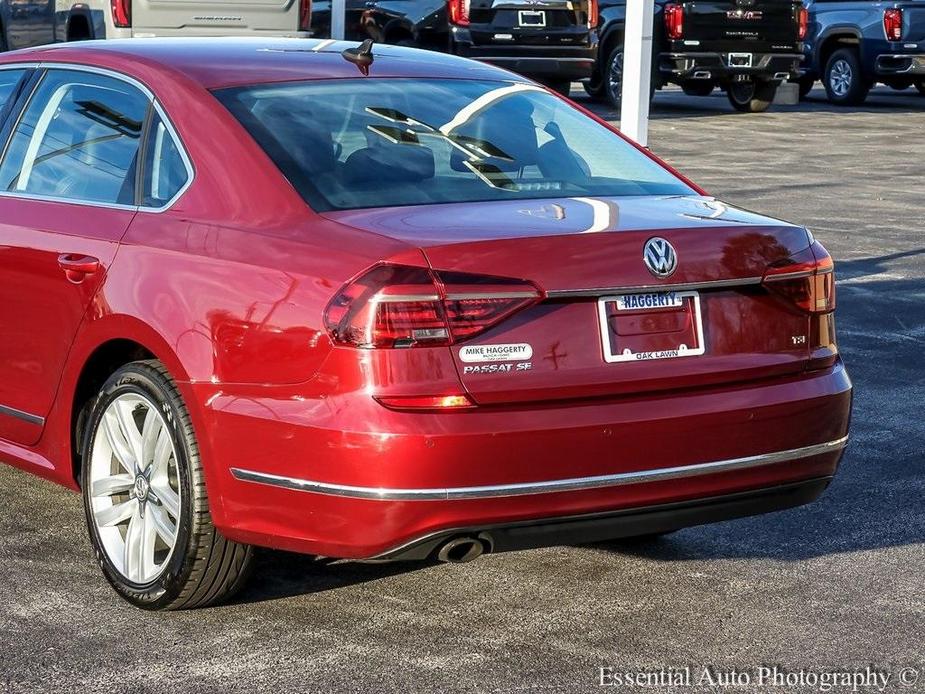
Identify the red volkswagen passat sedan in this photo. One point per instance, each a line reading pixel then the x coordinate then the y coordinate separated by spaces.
pixel 268 292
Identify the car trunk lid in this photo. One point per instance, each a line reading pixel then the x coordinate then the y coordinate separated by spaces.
pixel 607 325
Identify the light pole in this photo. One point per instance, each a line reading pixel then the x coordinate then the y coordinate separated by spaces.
pixel 338 14
pixel 637 69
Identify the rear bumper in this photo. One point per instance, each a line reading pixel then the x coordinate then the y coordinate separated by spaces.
pixel 601 527
pixel 720 66
pixel 899 64
pixel 339 475
pixel 543 62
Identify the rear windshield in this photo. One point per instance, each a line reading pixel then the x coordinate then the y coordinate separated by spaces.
pixel 347 144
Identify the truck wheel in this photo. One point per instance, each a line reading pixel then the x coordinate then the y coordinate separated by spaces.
pixel 594 87
pixel 806 85
pixel 145 497
pixel 751 96
pixel 563 87
pixel 698 88
pixel 844 83
pixel 613 77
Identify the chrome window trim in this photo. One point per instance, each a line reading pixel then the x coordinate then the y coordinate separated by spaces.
pixel 643 288
pixel 149 95
pixel 24 416
pixel 543 487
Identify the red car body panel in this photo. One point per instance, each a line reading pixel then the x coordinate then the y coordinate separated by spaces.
pixel 229 286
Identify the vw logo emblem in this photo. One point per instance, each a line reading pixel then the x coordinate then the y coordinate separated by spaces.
pixel 660 257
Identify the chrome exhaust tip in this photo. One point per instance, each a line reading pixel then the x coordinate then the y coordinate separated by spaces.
pixel 460 550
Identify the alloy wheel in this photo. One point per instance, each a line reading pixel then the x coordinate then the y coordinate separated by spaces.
pixel 615 76
pixel 840 77
pixel 134 488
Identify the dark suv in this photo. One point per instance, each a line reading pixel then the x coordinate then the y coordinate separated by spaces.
pixel 552 41
pixel 745 47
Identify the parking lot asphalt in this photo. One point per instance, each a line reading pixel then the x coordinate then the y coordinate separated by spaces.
pixel 836 585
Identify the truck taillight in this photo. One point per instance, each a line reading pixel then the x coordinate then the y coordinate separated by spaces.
pixel 399 306
pixel 674 21
pixel 593 10
pixel 458 11
pixel 807 279
pixel 305 15
pixel 121 13
pixel 893 24
pixel 803 22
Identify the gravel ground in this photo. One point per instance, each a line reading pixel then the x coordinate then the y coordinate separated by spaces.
pixel 833 586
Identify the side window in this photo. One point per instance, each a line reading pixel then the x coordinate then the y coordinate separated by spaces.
pixel 9 80
pixel 165 171
pixel 77 139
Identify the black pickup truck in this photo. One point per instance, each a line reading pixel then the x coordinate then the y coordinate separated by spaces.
pixel 552 41
pixel 745 47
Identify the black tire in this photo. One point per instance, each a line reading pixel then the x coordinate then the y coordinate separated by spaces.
pixel 920 86
pixel 612 78
pixel 843 81
pixel 806 86
pixel 203 568
pixel 698 87
pixel 751 96
pixel 4 44
pixel 594 87
pixel 560 86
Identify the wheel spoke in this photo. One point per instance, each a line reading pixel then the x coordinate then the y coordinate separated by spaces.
pixel 115 514
pixel 134 547
pixel 150 434
pixel 115 484
pixel 167 496
pixel 164 527
pixel 124 410
pixel 114 436
pixel 163 449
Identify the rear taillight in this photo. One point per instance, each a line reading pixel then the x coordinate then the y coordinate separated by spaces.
pixel 305 15
pixel 121 13
pixel 893 24
pixel 458 11
pixel 593 9
pixel 399 306
pixel 807 280
pixel 802 22
pixel 674 21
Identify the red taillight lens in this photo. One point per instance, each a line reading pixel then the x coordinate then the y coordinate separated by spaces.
pixel 803 22
pixel 593 10
pixel 893 24
pixel 674 21
pixel 121 13
pixel 807 279
pixel 458 11
pixel 400 306
pixel 305 15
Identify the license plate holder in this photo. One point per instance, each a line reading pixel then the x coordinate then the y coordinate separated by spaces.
pixel 531 18
pixel 740 59
pixel 647 326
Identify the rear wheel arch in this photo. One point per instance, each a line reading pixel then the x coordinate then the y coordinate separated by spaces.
pixel 832 42
pixel 99 351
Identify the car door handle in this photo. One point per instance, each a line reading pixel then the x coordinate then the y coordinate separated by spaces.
pixel 76 266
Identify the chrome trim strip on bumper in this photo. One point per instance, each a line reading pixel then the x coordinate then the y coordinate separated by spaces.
pixel 24 416
pixel 544 487
pixel 684 286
